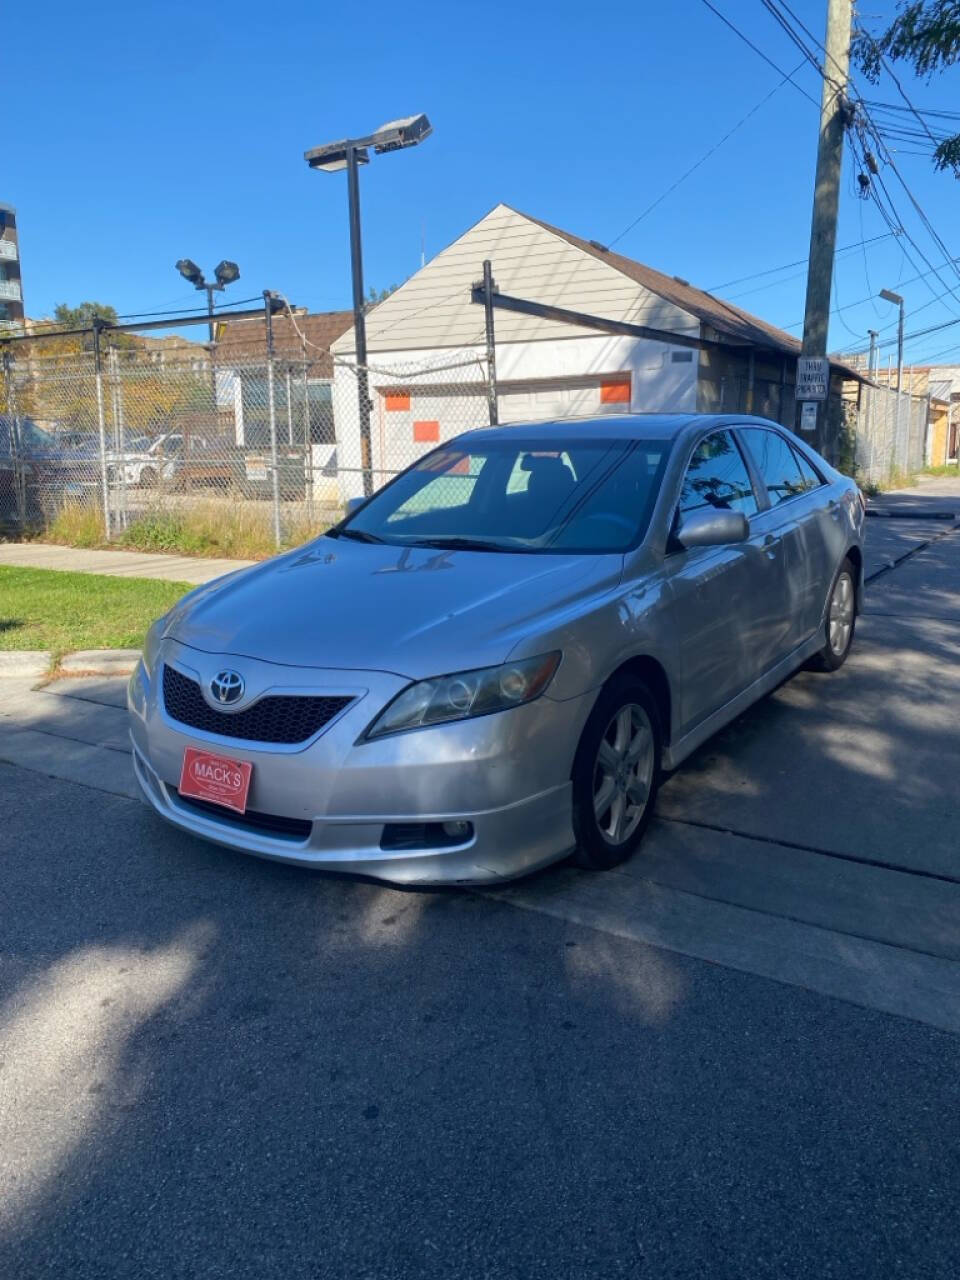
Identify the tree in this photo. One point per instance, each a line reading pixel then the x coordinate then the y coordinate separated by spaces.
pixel 926 35
pixel 79 317
pixel 378 295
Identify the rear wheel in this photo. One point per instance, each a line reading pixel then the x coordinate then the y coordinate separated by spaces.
pixel 841 620
pixel 616 774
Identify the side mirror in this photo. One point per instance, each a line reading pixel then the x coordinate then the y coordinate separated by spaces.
pixel 713 528
pixel 353 504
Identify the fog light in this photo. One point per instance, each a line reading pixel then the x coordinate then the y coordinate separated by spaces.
pixel 425 835
pixel 457 830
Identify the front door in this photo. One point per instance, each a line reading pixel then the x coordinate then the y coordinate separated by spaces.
pixel 721 619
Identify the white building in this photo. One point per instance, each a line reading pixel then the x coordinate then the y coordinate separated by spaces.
pixel 426 348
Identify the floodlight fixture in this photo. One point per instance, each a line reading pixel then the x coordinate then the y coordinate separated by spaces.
pixel 226 272
pixel 190 271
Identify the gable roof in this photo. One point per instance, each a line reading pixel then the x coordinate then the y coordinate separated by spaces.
pixel 727 319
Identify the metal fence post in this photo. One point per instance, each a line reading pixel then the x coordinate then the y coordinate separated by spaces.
pixel 272 412
pixel 119 436
pixel 16 454
pixel 307 438
pixel 488 290
pixel 289 407
pixel 101 423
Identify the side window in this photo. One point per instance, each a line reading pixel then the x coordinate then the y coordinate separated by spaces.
pixel 810 478
pixel 717 477
pixel 776 462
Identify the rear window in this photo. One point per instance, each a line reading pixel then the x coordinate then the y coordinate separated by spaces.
pixel 776 462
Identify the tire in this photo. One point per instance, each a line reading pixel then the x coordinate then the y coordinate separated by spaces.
pixel 627 720
pixel 841 620
pixel 148 478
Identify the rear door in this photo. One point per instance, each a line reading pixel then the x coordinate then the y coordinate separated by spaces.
pixel 792 535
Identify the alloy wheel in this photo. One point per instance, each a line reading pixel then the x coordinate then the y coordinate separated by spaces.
pixel 841 614
pixel 623 773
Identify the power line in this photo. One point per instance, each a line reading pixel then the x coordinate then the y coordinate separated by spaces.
pixel 706 156
pixel 792 35
pixel 770 62
pixel 900 89
pixel 948 259
pixel 910 337
pixel 799 263
pixel 183 311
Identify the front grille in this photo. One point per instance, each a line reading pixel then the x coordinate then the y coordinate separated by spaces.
pixel 271 823
pixel 283 719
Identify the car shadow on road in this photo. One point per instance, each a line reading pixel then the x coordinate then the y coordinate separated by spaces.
pixel 222 1067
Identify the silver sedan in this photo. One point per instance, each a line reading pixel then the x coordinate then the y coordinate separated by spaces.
pixel 487 665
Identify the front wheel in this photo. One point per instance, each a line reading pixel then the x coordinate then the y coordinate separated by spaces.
pixel 841 620
pixel 615 774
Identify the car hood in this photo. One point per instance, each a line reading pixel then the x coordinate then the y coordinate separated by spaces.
pixel 415 612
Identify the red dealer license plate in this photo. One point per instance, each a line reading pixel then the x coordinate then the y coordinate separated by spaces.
pixel 215 779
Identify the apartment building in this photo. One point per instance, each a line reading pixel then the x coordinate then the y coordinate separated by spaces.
pixel 11 290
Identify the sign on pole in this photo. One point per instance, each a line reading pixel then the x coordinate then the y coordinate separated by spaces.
pixel 808 415
pixel 813 377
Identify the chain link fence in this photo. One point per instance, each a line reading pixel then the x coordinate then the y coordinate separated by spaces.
pixel 412 408
pixel 168 448
pixel 889 435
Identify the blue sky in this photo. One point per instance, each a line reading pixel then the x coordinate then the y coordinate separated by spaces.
pixel 138 134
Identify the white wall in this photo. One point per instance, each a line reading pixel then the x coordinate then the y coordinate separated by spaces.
pixel 657 385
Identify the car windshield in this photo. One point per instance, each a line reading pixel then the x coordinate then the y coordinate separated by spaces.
pixel 519 495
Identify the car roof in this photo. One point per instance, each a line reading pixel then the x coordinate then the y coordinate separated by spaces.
pixel 627 426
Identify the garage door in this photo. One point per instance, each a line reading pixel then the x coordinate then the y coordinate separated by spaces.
pixel 565 398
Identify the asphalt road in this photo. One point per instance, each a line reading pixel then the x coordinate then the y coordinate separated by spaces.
pixel 215 1067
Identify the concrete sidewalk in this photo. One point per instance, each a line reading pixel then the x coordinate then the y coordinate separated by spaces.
pixel 905 519
pixel 126 564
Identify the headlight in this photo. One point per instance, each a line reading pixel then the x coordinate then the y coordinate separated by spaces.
pixel 466 694
pixel 151 645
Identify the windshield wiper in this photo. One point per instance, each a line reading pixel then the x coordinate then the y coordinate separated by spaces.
pixel 358 535
pixel 460 544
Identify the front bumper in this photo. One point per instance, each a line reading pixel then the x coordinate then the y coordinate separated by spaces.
pixel 506 774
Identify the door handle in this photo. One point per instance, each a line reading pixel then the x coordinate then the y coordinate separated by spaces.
pixel 771 545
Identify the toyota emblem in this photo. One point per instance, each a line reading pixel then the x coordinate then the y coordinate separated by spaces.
pixel 227 686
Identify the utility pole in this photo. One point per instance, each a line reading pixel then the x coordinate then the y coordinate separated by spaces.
pixel 874 334
pixel 826 201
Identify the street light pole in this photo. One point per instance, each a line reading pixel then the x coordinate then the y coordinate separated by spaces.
pixel 224 273
pixel 359 319
pixel 349 154
pixel 889 296
pixel 211 290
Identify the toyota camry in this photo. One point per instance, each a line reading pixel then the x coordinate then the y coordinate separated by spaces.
pixel 488 664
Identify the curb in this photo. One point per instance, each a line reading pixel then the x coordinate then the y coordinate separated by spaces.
pixel 34 664
pixel 25 664
pixel 99 662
